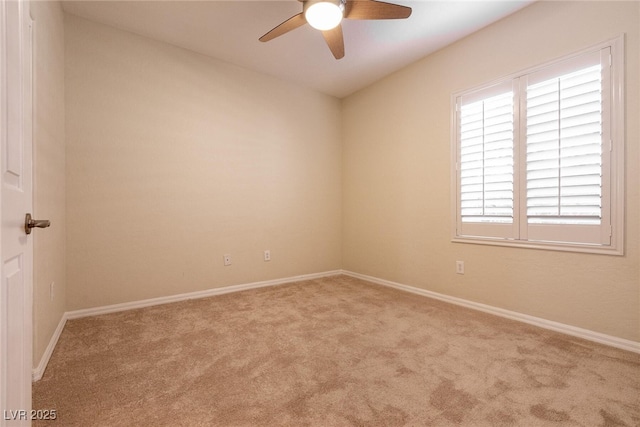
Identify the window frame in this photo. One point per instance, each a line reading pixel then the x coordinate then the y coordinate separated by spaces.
pixel 616 166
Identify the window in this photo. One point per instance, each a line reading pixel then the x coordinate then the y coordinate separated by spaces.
pixel 539 156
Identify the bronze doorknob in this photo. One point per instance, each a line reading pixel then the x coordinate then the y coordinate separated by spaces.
pixel 30 223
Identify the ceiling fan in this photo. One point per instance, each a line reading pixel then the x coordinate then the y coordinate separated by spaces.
pixel 325 15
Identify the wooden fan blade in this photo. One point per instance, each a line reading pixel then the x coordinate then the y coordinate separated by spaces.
pixel 288 25
pixel 335 41
pixel 372 9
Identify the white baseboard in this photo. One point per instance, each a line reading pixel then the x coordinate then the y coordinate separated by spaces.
pixel 194 295
pixel 38 372
pixel 598 337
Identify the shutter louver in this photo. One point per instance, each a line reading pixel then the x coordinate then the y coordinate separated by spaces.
pixel 486 160
pixel 564 149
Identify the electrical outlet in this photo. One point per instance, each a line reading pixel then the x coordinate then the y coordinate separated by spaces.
pixel 52 288
pixel 227 259
pixel 460 267
pixel 267 255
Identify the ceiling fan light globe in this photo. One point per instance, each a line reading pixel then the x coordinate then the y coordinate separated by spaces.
pixel 324 15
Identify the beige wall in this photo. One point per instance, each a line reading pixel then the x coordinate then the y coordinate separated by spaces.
pixel 174 159
pixel 396 177
pixel 49 172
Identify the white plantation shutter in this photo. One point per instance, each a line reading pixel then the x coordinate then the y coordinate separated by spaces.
pixel 486 160
pixel 564 151
pixel 533 155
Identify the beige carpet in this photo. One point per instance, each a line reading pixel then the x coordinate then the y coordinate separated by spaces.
pixel 330 352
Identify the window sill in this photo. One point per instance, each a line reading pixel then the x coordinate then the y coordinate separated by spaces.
pixel 548 246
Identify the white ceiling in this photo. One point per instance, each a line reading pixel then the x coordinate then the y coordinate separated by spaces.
pixel 229 30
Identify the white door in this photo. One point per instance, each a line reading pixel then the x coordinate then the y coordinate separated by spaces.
pixel 16 200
